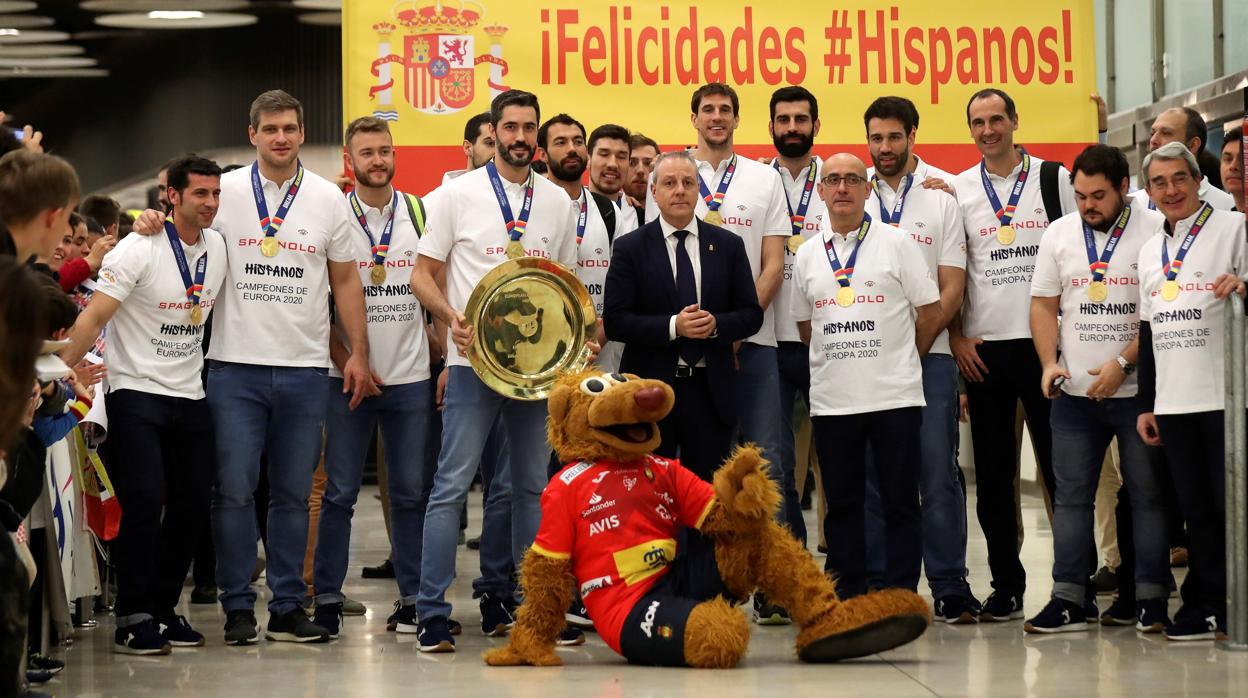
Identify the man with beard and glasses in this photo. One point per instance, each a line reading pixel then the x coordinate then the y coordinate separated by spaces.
pixel 933 221
pixel 793 127
pixel 496 212
pixel 642 153
pixel 384 242
pixel 1086 273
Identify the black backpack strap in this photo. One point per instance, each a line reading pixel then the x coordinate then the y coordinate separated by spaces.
pixel 1050 189
pixel 607 209
pixel 415 210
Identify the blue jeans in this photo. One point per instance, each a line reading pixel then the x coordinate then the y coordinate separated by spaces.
pixel 279 411
pixel 793 359
pixel 758 410
pixel 497 565
pixel 471 408
pixel 941 490
pixel 404 412
pixel 1082 430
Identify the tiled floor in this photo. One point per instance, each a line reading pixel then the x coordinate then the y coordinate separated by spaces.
pixel 985 660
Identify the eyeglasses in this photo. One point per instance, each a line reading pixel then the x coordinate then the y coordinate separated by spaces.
pixel 1178 180
pixel 849 180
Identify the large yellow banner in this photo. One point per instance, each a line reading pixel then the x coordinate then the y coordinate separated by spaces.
pixel 427 66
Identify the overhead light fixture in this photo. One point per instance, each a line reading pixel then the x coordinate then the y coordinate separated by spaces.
pixel 175 14
pixel 32 36
pixel 40 50
pixel 318 4
pixel 321 19
pixel 71 62
pixel 150 5
pixel 25 21
pixel 30 73
pixel 17 6
pixel 150 20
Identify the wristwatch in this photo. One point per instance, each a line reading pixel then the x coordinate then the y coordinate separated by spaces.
pixel 1127 367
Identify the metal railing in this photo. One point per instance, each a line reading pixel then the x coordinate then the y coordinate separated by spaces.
pixel 1236 479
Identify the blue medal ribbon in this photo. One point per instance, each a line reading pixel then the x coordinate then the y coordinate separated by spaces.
pixel 798 218
pixel 714 201
pixel 1099 265
pixel 194 285
pixel 515 226
pixel 378 250
pixel 1005 214
pixel 845 274
pixel 584 215
pixel 899 204
pixel 1171 269
pixel 270 226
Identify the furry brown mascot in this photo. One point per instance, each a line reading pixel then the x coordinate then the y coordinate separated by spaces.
pixel 610 521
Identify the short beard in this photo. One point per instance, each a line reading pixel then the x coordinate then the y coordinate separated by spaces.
pixel 514 161
pixel 361 177
pixel 793 150
pixel 563 174
pixel 903 159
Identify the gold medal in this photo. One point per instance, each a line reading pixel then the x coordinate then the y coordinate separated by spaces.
pixel 1098 291
pixel 378 274
pixel 1005 235
pixel 1170 290
pixel 845 296
pixel 515 249
pixel 795 241
pixel 269 247
pixel 197 314
pixel 713 218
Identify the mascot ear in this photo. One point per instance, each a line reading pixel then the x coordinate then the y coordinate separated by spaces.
pixel 557 404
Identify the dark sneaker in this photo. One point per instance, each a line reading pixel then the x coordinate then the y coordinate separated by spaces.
pixel 957 610
pixel 383 571
pixel 1153 616
pixel 1120 613
pixel 1105 581
pixel 204 594
pixel 1194 629
pixel 329 617
pixel 435 635
pixel 39 662
pixel 578 617
pixel 1059 616
pixel 570 637
pixel 1090 611
pixel 403 620
pixel 1000 607
pixel 37 676
pixel 241 628
pixel 294 626
pixel 497 617
pixel 179 633
pixel 141 638
pixel 474 543
pixel 766 613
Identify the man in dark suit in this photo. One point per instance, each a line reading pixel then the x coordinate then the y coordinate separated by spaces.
pixel 679 293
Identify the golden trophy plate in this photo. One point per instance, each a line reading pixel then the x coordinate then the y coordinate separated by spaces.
pixel 530 319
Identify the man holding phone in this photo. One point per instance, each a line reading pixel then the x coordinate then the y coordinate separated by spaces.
pixel 1086 268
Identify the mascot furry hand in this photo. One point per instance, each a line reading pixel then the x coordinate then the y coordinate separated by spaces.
pixel 609 526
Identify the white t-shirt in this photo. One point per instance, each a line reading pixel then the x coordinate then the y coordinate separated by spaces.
pixel 998 277
pixel 863 358
pixel 465 229
pixel 1188 331
pixel 593 258
pixel 1216 198
pixel 935 224
pixel 1090 333
pixel 397 349
pixel 753 208
pixel 153 346
pixel 274 311
pixel 786 326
